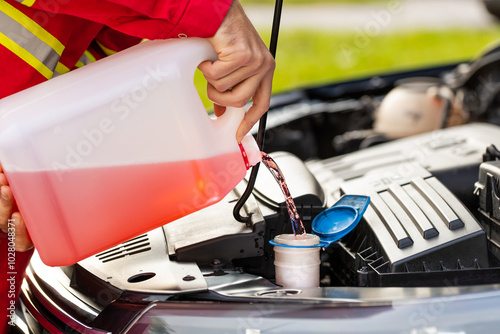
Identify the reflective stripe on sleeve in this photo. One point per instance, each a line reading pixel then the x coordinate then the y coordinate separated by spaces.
pixel 107 51
pixel 89 56
pixel 61 68
pixel 26 56
pixel 85 59
pixel 28 40
pixel 28 3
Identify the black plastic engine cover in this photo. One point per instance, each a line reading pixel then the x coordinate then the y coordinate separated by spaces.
pixel 487 188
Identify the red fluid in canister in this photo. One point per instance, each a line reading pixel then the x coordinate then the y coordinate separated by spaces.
pixel 80 212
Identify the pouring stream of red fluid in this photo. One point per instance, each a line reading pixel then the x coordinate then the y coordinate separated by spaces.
pixel 298 228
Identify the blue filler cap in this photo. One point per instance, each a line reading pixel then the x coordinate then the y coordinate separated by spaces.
pixel 335 222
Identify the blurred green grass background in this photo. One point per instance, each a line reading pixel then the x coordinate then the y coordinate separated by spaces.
pixel 314 57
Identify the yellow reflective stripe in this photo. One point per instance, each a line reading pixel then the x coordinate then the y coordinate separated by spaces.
pixel 28 3
pixel 90 56
pixel 86 58
pixel 61 68
pixel 26 56
pixel 107 51
pixel 32 26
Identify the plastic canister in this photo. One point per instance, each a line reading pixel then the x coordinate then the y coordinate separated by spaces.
pixel 121 146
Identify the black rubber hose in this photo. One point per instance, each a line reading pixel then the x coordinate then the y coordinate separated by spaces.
pixel 491 154
pixel 262 123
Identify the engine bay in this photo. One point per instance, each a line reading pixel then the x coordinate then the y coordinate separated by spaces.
pixel 433 218
pixel 417 231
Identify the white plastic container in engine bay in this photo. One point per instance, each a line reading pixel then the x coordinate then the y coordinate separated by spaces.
pixel 297 266
pixel 297 258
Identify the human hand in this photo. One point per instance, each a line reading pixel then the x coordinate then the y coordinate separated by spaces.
pixel 10 219
pixel 244 69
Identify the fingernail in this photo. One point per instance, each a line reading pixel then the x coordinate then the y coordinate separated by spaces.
pixel 4 196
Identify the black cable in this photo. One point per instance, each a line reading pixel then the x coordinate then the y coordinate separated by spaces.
pixel 262 123
pixel 276 27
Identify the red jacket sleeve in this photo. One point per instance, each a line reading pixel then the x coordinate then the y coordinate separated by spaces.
pixel 146 18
